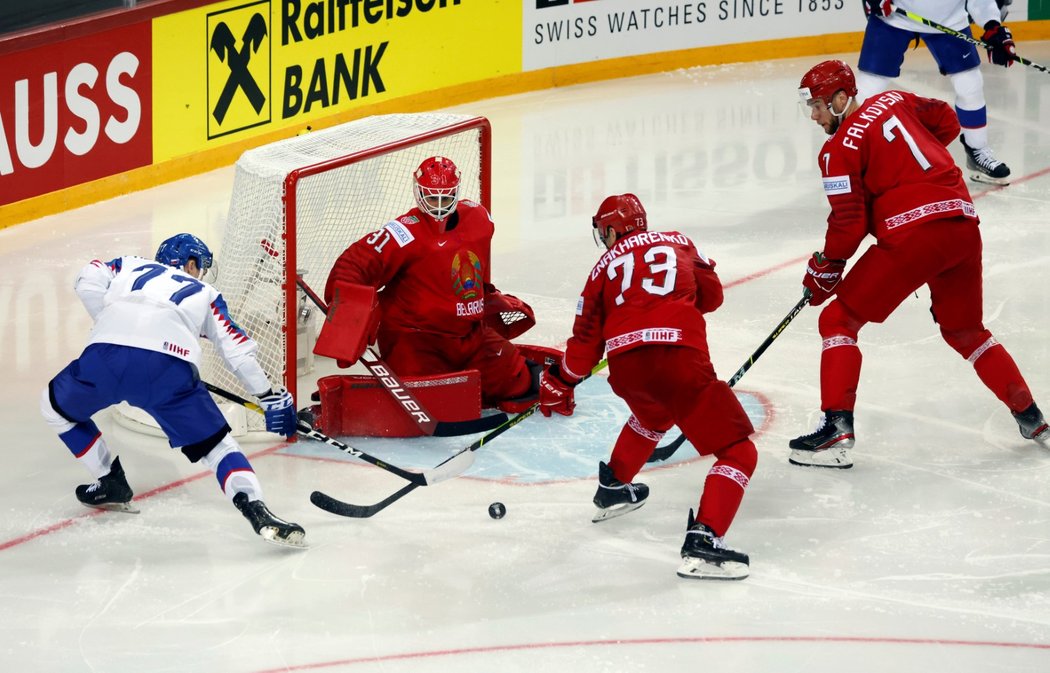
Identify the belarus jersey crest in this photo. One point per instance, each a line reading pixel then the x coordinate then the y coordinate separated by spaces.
pixel 467 277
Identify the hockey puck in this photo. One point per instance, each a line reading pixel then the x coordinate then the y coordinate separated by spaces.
pixel 497 510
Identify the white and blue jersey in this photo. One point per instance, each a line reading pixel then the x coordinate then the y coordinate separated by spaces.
pixel 145 304
pixel 144 350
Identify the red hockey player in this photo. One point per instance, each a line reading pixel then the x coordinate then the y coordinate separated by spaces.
pixel 644 303
pixel 887 173
pixel 438 311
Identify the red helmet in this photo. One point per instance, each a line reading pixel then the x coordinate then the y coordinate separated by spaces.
pixel 437 187
pixel 623 213
pixel 824 80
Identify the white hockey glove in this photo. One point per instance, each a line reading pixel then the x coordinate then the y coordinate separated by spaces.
pixel 279 409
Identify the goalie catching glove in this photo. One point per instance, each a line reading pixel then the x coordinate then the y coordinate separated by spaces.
pixel 556 392
pixel 822 276
pixel 279 409
pixel 509 316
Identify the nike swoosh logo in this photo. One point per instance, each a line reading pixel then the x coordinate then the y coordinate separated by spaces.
pixel 442 244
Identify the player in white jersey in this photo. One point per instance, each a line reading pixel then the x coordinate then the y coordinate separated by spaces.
pixel 144 349
pixel 886 40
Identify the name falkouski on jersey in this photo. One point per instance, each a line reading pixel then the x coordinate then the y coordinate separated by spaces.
pixel 868 116
pixel 635 241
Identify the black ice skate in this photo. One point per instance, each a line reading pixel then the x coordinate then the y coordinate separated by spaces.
pixel 706 557
pixel 1032 424
pixel 828 445
pixel 110 492
pixel 268 526
pixel 615 498
pixel 984 167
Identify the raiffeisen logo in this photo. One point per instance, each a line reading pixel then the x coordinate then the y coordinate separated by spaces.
pixel 238 68
pixel 544 4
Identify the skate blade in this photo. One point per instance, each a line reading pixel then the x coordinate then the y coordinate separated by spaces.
pixel 989 180
pixel 296 540
pixel 837 458
pixel 122 507
pixel 699 569
pixel 615 511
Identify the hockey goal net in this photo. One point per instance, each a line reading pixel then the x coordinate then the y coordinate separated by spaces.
pixel 297 204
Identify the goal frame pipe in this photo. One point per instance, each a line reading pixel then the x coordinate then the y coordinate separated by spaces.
pixel 291 181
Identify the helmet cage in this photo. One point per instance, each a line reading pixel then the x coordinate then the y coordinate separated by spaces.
pixel 436 187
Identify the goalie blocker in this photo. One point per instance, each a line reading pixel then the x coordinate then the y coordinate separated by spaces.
pixel 358 406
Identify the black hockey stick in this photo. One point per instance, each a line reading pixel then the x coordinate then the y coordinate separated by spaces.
pixel 330 504
pixel 393 384
pixel 450 468
pixel 963 36
pixel 662 453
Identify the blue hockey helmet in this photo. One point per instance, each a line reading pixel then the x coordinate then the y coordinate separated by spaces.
pixel 181 248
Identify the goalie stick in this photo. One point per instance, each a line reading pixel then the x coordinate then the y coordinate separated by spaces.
pixel 963 36
pixel 450 468
pixel 400 392
pixel 330 504
pixel 662 453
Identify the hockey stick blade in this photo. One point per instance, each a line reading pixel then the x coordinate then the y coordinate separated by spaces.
pixel 662 453
pixel 330 504
pixel 471 427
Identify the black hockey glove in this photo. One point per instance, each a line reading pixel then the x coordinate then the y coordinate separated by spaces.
pixel 1001 49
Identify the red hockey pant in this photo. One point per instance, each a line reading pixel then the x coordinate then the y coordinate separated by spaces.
pixel 665 386
pixel 944 255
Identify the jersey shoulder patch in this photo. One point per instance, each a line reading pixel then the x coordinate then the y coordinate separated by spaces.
pixel 399 230
pixel 837 184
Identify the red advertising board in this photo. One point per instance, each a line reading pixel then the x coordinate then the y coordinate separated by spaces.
pixel 75 111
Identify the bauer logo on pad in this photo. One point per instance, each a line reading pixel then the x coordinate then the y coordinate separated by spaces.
pixel 838 184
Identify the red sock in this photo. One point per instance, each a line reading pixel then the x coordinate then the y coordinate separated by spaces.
pixel 633 447
pixel 724 486
pixel 839 374
pixel 999 372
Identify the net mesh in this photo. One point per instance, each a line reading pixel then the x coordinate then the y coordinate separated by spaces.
pixel 346 181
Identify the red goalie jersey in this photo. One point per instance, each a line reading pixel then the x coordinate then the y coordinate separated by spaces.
pixel 434 282
pixel 645 290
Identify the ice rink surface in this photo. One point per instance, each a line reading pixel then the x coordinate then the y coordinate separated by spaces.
pixel 931 554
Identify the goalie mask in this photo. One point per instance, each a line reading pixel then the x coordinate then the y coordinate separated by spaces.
pixel 437 187
pixel 181 248
pixel 622 213
pixel 824 80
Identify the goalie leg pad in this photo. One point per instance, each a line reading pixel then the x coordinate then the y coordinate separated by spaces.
pixel 359 405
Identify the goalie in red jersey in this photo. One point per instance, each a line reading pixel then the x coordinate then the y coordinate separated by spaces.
pixel 644 303
pixel 887 173
pixel 438 311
